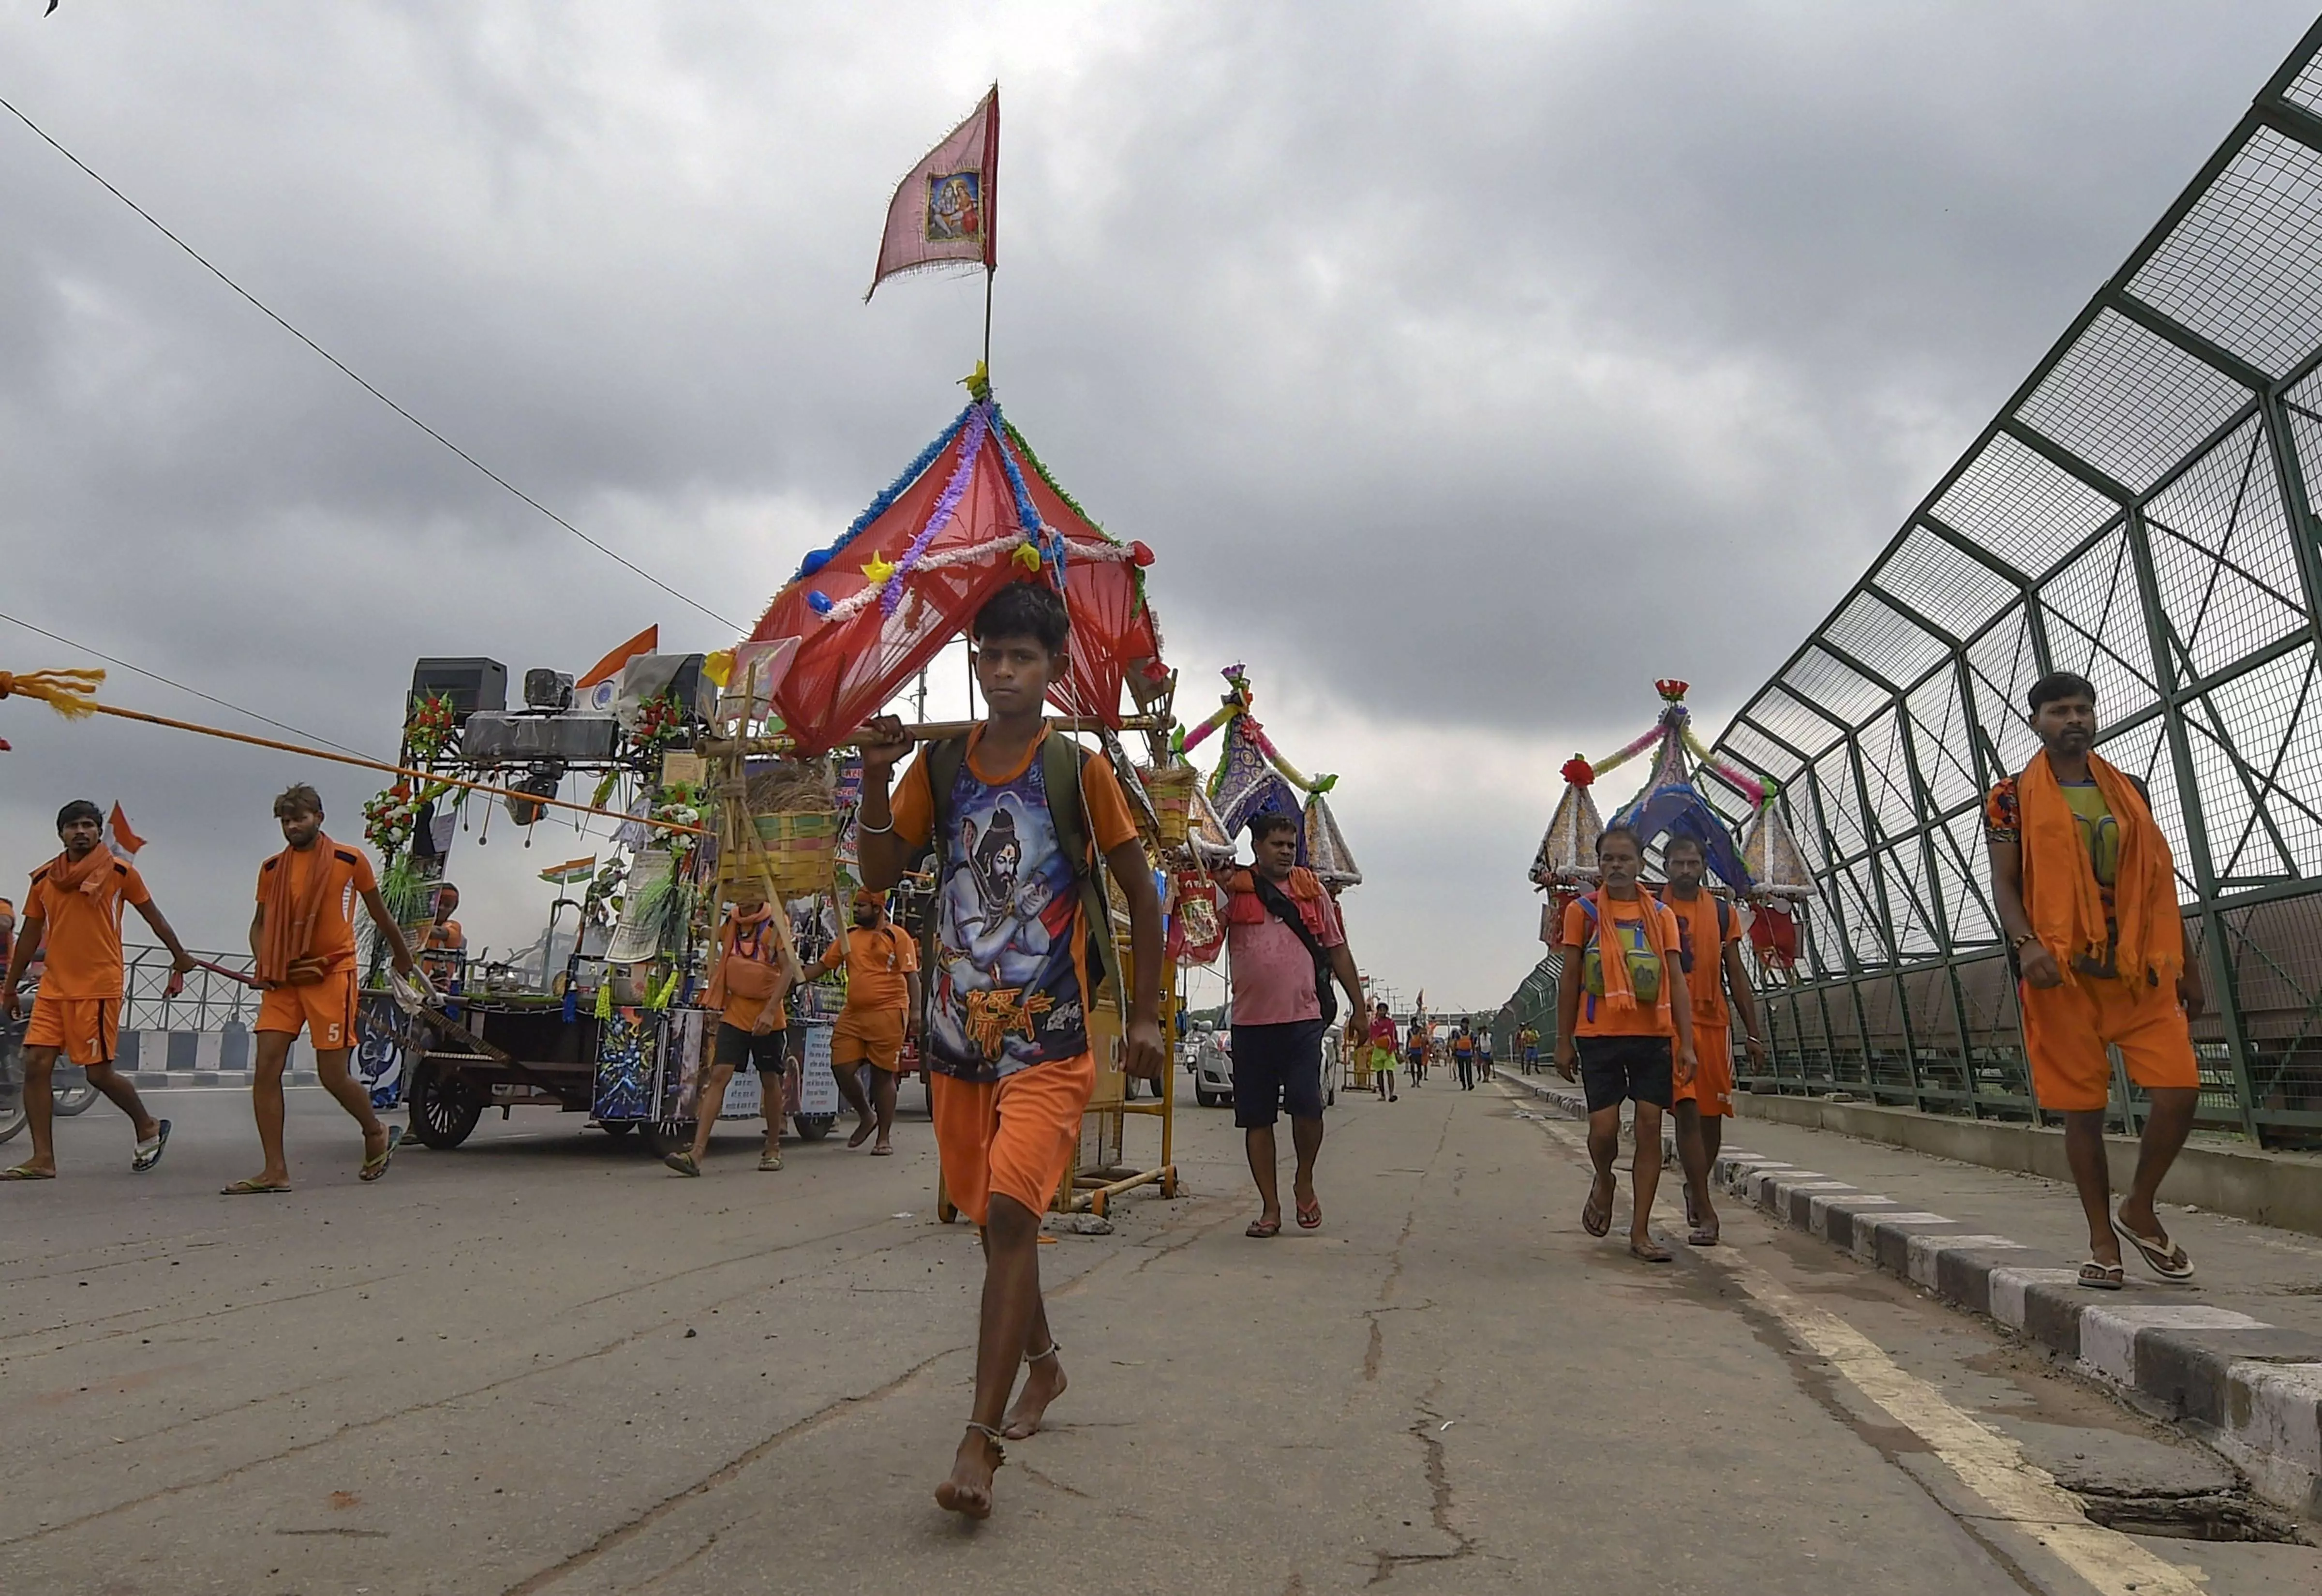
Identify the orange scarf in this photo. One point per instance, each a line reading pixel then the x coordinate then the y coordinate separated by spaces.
pixel 1620 996
pixel 288 935
pixel 1243 906
pixel 86 874
pixel 2061 893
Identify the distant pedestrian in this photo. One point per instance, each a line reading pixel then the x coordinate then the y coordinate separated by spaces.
pixel 74 910
pixel 2087 895
pixel 1624 1026
pixel 1528 1048
pixel 1284 941
pixel 1415 1052
pixel 1383 1042
pixel 1463 1055
pixel 1709 953
pixel 1483 1053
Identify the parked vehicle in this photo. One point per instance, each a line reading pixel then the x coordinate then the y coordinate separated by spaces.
pixel 1212 1067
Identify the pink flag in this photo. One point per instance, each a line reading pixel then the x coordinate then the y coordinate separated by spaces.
pixel 944 213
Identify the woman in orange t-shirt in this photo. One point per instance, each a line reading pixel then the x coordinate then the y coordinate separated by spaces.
pixel 1624 1027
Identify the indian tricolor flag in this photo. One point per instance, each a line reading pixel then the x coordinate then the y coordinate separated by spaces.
pixel 571 872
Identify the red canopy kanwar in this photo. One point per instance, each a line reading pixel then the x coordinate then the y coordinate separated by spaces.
pixel 975 511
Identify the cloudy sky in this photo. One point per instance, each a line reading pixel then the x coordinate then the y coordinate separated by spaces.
pixel 1468 366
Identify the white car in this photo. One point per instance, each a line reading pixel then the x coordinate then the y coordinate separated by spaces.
pixel 1212 1067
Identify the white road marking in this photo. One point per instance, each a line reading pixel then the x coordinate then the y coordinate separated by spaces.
pixel 1988 1463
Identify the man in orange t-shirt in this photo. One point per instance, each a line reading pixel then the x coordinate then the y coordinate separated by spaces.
pixel 304 935
pixel 1624 1026
pixel 883 1003
pixel 1710 947
pixel 1008 1041
pixel 74 911
pixel 756 967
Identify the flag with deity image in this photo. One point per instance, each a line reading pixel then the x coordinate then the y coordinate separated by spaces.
pixel 944 212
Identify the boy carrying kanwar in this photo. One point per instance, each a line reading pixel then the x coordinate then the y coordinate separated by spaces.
pixel 1018 815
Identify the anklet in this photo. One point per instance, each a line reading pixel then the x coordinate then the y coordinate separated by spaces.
pixel 998 1451
pixel 1054 1347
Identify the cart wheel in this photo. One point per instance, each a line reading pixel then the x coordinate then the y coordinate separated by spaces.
pixel 665 1136
pixel 442 1110
pixel 618 1128
pixel 814 1127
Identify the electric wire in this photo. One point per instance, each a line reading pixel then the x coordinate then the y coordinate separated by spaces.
pixel 356 377
pixel 180 686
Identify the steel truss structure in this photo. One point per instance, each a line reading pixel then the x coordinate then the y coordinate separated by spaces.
pixel 2142 510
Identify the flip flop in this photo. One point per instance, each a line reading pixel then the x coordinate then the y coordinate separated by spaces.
pixel 373 1167
pixel 147 1157
pixel 771 1161
pixel 887 1151
pixel 862 1134
pixel 1598 1221
pixel 1310 1214
pixel 1702 1235
pixel 1652 1252
pixel 254 1187
pixel 1263 1230
pixel 2099 1277
pixel 2163 1257
pixel 683 1163
pixel 26 1173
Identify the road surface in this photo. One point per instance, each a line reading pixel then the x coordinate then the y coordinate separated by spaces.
pixel 542 1363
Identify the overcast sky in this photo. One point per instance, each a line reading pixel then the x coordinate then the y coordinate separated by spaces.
pixel 1467 366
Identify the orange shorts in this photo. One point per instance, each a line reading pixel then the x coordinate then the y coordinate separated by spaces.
pixel 1014 1136
pixel 1711 1087
pixel 83 1029
pixel 324 1009
pixel 2067 1028
pixel 867 1036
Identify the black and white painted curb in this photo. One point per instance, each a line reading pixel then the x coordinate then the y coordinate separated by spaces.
pixel 167 1059
pixel 2249 1390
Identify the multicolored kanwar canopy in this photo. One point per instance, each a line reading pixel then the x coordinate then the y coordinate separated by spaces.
pixel 975 511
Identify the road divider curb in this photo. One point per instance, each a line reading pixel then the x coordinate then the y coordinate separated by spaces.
pixel 2250 1391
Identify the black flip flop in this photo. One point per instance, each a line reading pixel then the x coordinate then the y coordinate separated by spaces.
pixel 144 1161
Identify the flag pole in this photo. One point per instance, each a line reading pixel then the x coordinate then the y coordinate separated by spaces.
pixel 988 272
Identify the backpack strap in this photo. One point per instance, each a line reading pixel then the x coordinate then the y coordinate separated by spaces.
pixel 1724 926
pixel 1064 764
pixel 944 758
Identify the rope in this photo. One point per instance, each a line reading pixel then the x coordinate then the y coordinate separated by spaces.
pixel 73 695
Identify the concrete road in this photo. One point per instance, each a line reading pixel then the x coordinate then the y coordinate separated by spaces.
pixel 541 1363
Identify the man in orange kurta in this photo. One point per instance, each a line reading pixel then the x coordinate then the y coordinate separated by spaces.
pixel 882 1005
pixel 2086 895
pixel 73 912
pixel 1709 944
pixel 304 935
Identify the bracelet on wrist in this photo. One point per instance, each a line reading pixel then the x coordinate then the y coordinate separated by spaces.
pixel 866 829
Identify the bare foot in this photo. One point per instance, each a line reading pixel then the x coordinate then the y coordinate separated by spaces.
pixel 968 1491
pixel 1044 1382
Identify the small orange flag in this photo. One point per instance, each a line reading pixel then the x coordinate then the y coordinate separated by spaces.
pixel 118 835
pixel 645 642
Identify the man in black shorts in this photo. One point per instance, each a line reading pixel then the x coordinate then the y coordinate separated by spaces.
pixel 757 969
pixel 1283 932
pixel 1624 1026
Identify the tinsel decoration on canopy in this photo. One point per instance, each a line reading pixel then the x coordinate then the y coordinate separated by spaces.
pixel 1252 778
pixel 975 511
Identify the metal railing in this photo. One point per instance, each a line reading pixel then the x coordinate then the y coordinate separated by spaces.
pixel 2141 511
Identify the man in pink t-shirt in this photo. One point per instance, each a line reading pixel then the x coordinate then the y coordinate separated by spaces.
pixel 1281 931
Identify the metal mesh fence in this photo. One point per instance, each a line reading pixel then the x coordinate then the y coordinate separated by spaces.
pixel 2141 511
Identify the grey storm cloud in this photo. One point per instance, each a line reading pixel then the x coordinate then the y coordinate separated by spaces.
pixel 1468 366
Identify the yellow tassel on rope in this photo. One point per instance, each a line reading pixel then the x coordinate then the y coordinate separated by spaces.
pixel 67 692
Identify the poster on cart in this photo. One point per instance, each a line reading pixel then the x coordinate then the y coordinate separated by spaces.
pixel 817 1092
pixel 386 1041
pixel 628 1066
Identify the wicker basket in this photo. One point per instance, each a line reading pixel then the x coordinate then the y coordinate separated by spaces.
pixel 1171 788
pixel 801 847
